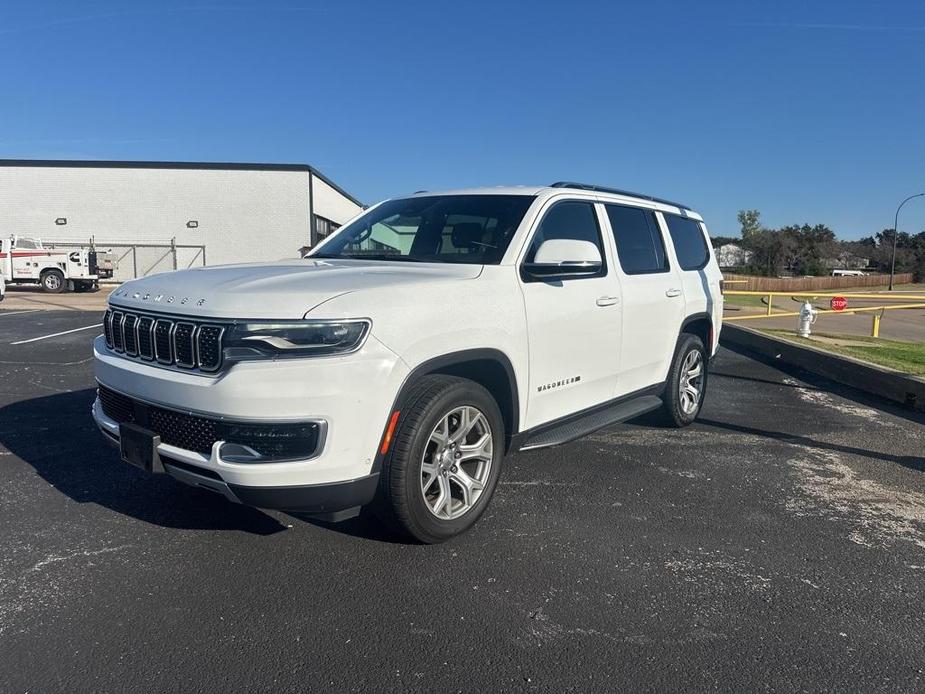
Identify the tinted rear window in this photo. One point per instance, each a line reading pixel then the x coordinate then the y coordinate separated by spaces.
pixel 639 241
pixel 689 243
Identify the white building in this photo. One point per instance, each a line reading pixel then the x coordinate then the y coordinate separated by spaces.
pixel 732 255
pixel 157 215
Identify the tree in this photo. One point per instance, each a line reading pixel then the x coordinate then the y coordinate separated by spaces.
pixel 719 241
pixel 750 220
pixel 905 250
pixel 809 247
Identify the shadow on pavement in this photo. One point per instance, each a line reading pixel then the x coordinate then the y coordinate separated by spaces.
pixel 816 382
pixel 57 437
pixel 909 461
pixel 752 379
pixel 366 526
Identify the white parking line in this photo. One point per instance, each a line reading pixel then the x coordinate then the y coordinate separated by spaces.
pixel 18 313
pixel 66 332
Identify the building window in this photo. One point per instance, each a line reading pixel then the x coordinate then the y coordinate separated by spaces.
pixel 324 227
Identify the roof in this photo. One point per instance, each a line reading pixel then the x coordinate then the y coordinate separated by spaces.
pixel 176 165
pixel 487 190
pixel 558 188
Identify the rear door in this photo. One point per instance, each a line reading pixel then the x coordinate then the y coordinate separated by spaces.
pixel 573 324
pixel 653 301
pixel 699 277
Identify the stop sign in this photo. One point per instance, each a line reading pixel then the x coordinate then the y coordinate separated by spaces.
pixel 838 303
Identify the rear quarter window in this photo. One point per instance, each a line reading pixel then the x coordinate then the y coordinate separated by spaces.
pixel 690 244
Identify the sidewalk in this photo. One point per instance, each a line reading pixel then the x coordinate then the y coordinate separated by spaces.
pixel 28 297
pixel 906 324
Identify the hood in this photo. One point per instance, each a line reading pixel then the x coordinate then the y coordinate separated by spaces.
pixel 285 289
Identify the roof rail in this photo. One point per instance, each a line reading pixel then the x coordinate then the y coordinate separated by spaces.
pixel 616 191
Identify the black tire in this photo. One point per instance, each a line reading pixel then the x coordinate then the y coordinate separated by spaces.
pixel 677 411
pixel 402 501
pixel 53 281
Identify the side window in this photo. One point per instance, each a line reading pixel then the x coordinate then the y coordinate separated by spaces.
pixel 639 241
pixel 689 243
pixel 569 220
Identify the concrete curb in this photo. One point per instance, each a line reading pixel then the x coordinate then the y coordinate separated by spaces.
pixel 893 385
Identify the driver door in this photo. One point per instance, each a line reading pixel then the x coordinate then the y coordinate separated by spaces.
pixel 573 324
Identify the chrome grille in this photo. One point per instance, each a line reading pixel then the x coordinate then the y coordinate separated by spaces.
pixel 107 328
pixel 118 337
pixel 129 336
pixel 209 347
pixel 180 343
pixel 163 344
pixel 184 351
pixel 145 337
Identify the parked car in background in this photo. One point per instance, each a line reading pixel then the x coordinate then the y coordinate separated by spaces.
pixel 398 363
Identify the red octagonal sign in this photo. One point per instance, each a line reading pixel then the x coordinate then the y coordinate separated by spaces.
pixel 838 303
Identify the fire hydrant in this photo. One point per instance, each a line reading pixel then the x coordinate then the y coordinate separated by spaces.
pixel 807 317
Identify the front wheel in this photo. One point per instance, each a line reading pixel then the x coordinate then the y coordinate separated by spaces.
pixel 444 461
pixel 687 382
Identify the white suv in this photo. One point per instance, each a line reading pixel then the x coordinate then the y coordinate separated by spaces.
pixel 398 363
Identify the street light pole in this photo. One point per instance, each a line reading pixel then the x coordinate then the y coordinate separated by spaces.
pixel 896 234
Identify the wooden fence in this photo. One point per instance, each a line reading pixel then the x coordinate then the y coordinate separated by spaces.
pixel 808 284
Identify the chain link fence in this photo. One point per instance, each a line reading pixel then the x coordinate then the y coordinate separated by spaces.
pixel 131 260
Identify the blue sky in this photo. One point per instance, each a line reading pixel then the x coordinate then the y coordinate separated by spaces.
pixel 807 111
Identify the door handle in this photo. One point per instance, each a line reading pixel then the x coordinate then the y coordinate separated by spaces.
pixel 673 292
pixel 608 300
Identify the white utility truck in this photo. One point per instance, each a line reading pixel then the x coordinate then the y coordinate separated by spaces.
pixel 27 261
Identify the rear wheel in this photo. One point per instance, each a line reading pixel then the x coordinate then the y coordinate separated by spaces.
pixel 445 459
pixel 687 382
pixel 53 281
pixel 85 286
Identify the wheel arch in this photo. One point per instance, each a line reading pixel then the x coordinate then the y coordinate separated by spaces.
pixel 701 325
pixel 490 368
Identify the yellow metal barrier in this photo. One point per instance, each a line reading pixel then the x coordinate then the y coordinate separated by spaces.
pixel 875 329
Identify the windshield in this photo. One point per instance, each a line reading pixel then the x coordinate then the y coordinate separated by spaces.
pixel 434 229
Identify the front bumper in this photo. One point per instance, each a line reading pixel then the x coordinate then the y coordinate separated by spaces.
pixel 351 395
pixel 198 470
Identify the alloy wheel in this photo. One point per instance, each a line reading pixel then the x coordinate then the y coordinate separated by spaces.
pixel 456 462
pixel 691 381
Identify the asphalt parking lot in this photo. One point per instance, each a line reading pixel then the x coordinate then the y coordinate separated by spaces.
pixel 778 544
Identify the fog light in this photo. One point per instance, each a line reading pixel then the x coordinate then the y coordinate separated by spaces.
pixel 269 443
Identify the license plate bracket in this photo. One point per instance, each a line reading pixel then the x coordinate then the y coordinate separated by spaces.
pixel 139 447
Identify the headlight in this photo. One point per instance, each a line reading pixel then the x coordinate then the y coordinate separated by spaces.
pixel 304 338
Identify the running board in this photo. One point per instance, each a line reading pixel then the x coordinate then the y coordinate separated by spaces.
pixel 591 422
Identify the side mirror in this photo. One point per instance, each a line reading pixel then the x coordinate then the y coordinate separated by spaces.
pixel 559 258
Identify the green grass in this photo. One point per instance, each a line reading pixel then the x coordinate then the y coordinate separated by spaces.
pixel 908 357
pixel 780 301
